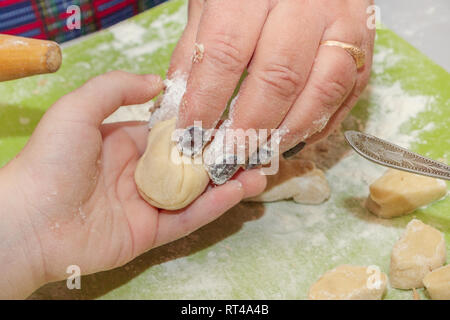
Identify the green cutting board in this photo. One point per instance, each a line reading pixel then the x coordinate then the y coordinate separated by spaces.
pixel 275 250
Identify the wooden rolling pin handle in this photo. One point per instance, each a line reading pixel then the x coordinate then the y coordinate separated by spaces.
pixel 22 57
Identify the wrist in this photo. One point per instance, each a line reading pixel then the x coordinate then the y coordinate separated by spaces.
pixel 21 258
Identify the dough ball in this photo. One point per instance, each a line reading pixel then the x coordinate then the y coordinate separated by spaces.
pixel 420 250
pixel 437 283
pixel 164 178
pixel 297 179
pixel 347 282
pixel 397 193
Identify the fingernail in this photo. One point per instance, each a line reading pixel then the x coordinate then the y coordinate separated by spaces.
pixel 221 171
pixel 192 141
pixel 293 151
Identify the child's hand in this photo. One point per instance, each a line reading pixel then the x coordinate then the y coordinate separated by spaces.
pixel 69 198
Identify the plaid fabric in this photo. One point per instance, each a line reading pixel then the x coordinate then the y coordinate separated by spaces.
pixel 47 19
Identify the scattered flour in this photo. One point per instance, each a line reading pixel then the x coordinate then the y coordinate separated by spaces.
pixel 147 48
pixel 320 124
pixel 127 33
pixel 170 103
pixel 384 59
pixel 395 108
pixel 163 32
pixel 138 112
pixel 81 213
pixel 24 120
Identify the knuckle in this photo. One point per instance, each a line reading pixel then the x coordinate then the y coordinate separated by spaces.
pixel 203 104
pixel 224 54
pixel 204 98
pixel 333 87
pixel 281 79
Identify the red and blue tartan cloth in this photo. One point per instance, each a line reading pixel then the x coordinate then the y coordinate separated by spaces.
pixel 47 19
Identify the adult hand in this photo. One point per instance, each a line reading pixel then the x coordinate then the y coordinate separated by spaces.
pixel 69 197
pixel 293 81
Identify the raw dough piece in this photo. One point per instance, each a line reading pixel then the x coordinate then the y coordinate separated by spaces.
pixel 420 250
pixel 437 283
pixel 297 179
pixel 397 193
pixel 348 282
pixel 165 178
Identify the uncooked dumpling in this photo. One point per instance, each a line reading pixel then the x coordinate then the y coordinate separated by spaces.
pixel 165 178
pixel 420 250
pixel 297 179
pixel 399 192
pixel 437 283
pixel 348 282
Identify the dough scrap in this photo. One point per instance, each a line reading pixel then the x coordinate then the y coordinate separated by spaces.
pixel 348 282
pixel 164 178
pixel 437 283
pixel 420 250
pixel 398 192
pixel 297 179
